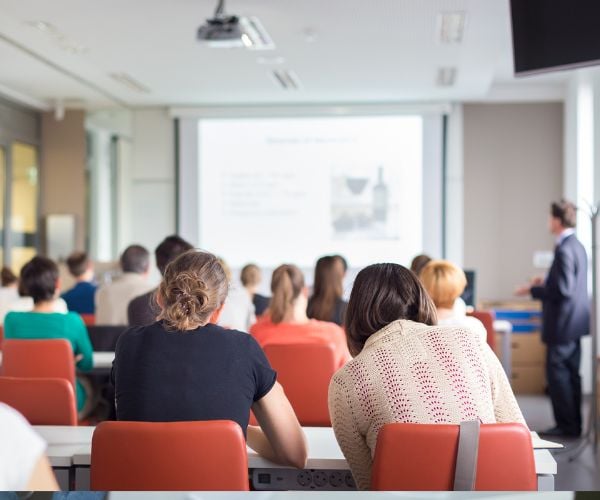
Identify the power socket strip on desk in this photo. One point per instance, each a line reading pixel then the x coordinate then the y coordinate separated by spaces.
pixel 305 479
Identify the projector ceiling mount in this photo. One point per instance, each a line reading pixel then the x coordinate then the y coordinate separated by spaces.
pixel 227 31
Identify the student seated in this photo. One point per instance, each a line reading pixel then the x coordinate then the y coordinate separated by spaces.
pixel 24 465
pixel 326 303
pixel 143 310
pixel 9 291
pixel 185 367
pixel 238 309
pixel 112 299
pixel 445 283
pixel 251 278
pixel 39 279
pixel 286 321
pixel 408 369
pixel 80 298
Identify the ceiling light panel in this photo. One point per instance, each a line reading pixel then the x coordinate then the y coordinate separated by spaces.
pixel 59 39
pixel 446 76
pixel 451 27
pixel 130 82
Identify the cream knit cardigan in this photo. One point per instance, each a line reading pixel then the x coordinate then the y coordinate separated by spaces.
pixel 411 372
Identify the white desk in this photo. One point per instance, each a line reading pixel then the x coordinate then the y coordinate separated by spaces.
pixel 100 360
pixel 69 450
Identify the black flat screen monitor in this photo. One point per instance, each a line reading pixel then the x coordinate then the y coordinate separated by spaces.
pixel 469 293
pixel 550 35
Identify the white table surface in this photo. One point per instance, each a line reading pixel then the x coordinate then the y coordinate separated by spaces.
pixel 99 359
pixel 72 446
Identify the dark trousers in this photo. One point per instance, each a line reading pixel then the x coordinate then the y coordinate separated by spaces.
pixel 564 384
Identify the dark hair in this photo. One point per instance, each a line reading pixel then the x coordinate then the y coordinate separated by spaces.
pixel 250 275
pixel 382 294
pixel 7 276
pixel 78 263
pixel 565 211
pixel 169 249
pixel 193 287
pixel 38 279
pixel 287 283
pixel 327 289
pixel 342 260
pixel 135 259
pixel 419 262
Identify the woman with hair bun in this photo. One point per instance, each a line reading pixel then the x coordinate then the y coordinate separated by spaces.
pixel 184 367
pixel 286 320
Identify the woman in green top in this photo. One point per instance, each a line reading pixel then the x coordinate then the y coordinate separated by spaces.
pixel 39 279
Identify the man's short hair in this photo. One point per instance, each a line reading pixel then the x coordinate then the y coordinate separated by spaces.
pixel 78 263
pixel 250 275
pixel 169 249
pixel 38 279
pixel 7 276
pixel 565 211
pixel 135 259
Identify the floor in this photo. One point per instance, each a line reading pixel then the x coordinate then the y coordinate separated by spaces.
pixel 574 473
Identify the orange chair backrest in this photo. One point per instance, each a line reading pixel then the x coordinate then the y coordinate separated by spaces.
pixel 304 370
pixel 88 319
pixel 190 456
pixel 47 358
pixel 487 318
pixel 416 457
pixel 42 401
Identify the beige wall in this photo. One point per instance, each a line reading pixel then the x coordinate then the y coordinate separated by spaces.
pixel 63 186
pixel 513 157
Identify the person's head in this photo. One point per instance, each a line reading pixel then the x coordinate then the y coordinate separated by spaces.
pixel 419 262
pixel 444 282
pixel 39 279
pixel 287 288
pixel 7 277
pixel 192 292
pixel 80 266
pixel 327 288
pixel 169 249
pixel 341 265
pixel 382 294
pixel 250 276
pixel 563 215
pixel 135 259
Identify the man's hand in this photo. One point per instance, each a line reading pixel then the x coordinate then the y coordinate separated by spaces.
pixel 522 290
pixel 537 281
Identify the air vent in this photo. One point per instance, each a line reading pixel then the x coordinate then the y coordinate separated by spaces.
pixel 446 76
pixel 451 27
pixel 286 79
pixel 130 82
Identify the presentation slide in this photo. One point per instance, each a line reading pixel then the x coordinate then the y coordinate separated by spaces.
pixel 276 190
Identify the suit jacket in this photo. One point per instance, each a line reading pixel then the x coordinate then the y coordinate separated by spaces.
pixel 564 295
pixel 143 310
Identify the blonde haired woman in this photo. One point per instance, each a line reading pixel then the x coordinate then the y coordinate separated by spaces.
pixel 185 367
pixel 445 283
pixel 286 320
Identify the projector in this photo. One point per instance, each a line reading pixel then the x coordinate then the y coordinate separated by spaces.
pixel 226 31
pixel 222 28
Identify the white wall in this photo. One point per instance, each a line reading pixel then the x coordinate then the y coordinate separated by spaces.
pixel 513 158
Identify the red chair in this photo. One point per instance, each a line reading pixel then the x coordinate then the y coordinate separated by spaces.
pixel 305 370
pixel 190 456
pixel 487 318
pixel 43 358
pixel 416 457
pixel 42 401
pixel 88 319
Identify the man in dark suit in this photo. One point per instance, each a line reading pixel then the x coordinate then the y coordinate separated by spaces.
pixel 565 319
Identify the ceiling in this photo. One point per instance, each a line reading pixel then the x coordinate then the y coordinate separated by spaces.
pixel 342 51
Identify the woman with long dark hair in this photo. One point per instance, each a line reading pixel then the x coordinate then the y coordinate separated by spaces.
pixel 408 369
pixel 326 303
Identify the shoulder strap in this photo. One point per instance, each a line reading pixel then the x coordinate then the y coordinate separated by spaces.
pixel 466 456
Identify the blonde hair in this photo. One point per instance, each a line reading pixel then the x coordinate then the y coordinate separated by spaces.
pixel 444 282
pixel 287 283
pixel 250 275
pixel 194 286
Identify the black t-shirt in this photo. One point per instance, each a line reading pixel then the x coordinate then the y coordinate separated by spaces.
pixel 205 374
